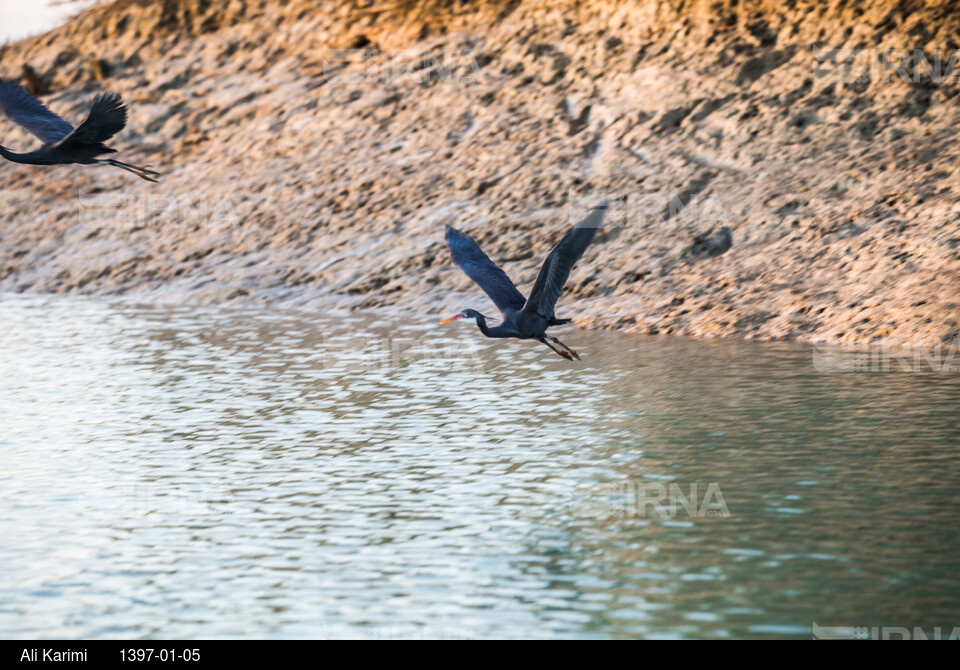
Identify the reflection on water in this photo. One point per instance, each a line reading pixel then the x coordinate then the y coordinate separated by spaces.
pixel 200 472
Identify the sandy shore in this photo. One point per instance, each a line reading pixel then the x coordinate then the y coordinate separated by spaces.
pixel 314 154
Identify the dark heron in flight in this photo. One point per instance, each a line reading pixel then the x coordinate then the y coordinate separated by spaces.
pixel 524 318
pixel 62 143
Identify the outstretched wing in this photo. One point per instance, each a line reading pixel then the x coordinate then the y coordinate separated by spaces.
pixel 107 117
pixel 470 258
pixel 556 269
pixel 25 110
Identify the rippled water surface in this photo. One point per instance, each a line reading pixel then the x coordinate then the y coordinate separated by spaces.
pixel 191 472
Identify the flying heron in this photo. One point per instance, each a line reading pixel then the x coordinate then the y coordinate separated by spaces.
pixel 524 318
pixel 62 143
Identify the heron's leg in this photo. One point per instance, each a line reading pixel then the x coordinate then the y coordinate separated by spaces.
pixel 142 172
pixel 145 172
pixel 145 168
pixel 575 354
pixel 557 351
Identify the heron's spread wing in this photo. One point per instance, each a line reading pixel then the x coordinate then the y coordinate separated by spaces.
pixel 470 258
pixel 25 110
pixel 107 117
pixel 556 269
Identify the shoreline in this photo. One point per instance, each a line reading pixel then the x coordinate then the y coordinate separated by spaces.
pixel 313 307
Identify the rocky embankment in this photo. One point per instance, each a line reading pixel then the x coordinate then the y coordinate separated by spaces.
pixel 312 152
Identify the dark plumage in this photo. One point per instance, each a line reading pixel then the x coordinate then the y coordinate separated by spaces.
pixel 524 318
pixel 62 143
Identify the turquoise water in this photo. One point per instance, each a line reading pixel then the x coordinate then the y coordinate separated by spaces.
pixel 210 472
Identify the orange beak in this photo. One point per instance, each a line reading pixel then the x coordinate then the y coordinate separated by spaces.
pixel 452 318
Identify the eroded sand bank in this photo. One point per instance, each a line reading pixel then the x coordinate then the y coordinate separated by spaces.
pixel 295 174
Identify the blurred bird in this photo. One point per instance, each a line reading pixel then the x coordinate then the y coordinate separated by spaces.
pixel 62 143
pixel 524 318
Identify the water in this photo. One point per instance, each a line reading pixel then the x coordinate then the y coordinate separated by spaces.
pixel 191 472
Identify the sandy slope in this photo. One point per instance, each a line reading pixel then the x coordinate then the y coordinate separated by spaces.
pixel 292 174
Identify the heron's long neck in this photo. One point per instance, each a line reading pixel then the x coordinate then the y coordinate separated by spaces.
pixel 489 332
pixel 15 157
